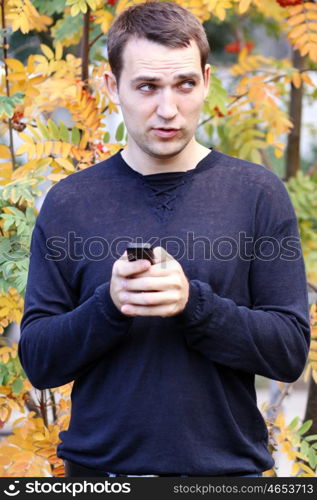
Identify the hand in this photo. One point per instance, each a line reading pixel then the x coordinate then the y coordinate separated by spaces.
pixel 122 271
pixel 164 288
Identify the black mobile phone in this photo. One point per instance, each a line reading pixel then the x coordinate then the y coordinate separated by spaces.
pixel 137 251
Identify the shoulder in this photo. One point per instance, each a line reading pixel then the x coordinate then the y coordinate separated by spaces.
pixel 72 193
pixel 75 184
pixel 250 176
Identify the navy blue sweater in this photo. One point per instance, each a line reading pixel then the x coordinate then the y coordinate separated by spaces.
pixel 157 395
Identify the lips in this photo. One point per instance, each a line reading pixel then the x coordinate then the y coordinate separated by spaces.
pixel 166 132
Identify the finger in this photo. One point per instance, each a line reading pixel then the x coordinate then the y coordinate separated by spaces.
pixel 149 284
pixel 161 269
pixel 130 310
pixel 161 255
pixel 124 256
pixel 149 298
pixel 126 268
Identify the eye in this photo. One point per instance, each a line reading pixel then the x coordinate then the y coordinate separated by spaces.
pixel 188 84
pixel 146 87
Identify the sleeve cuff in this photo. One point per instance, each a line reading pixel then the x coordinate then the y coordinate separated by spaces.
pixel 108 306
pixel 199 304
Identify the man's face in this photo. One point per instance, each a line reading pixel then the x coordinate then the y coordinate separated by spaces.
pixel 161 92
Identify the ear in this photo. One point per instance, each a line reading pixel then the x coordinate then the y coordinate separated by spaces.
pixel 207 73
pixel 112 87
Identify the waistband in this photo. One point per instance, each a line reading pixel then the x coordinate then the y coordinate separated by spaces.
pixel 73 469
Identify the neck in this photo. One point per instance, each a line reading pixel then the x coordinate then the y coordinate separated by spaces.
pixel 146 164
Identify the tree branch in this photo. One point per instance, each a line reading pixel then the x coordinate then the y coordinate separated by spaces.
pixel 5 55
pixel 295 113
pixel 85 50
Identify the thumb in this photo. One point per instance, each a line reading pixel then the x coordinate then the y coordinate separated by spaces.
pixel 161 255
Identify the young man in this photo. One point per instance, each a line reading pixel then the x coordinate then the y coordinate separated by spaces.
pixel 164 379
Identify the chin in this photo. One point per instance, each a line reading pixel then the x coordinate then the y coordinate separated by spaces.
pixel 164 150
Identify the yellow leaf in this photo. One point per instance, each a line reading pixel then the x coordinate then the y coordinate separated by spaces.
pixel 312 355
pixel 313 344
pixel 57 148
pixel 37 436
pixel 56 177
pixel 295 469
pixel 15 65
pixel 296 79
pixel 63 162
pixel 4 460
pixel 298 31
pixel 296 9
pixel 66 149
pixel 4 151
pixel 15 77
pixel 306 468
pixel 30 64
pixel 21 150
pixel 31 151
pixel 311 15
pixel 306 78
pixel 311 5
pixel 311 49
pixel 280 421
pixel 47 51
pixel 292 21
pixel 58 51
pixel 307 372
pixel 39 149
pixel 26 138
pixel 244 5
pixel 270 138
pixel 47 148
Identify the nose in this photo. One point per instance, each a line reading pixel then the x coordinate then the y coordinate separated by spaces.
pixel 167 106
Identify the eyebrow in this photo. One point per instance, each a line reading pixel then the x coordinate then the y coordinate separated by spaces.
pixel 151 78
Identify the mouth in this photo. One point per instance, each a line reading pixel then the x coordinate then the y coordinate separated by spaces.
pixel 166 132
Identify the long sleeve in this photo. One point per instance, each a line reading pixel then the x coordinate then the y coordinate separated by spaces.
pixel 270 338
pixel 59 338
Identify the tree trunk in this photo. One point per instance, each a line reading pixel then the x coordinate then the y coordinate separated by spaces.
pixel 85 50
pixel 295 112
pixel 311 407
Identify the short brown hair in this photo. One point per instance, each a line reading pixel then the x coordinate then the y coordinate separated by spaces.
pixel 161 22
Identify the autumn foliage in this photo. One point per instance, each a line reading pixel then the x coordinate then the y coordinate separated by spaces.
pixel 250 121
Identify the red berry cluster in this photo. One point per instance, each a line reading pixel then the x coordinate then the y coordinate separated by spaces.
pixel 289 3
pixel 235 47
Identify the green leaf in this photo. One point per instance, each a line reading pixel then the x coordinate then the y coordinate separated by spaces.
pixel 49 8
pixel 312 437
pixel 304 449
pixel 75 136
pixel 17 386
pixel 6 106
pixel 293 424
pixel 120 132
pixel 43 129
pixel 67 27
pixel 312 457
pixel 53 129
pixel 106 138
pixel 17 98
pixel 63 132
pixel 304 428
